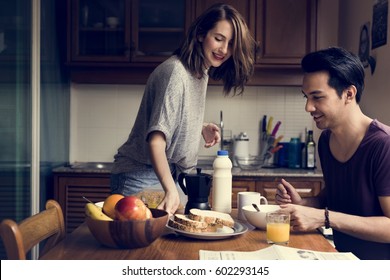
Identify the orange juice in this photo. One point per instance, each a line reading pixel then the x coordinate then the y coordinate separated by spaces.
pixel 278 232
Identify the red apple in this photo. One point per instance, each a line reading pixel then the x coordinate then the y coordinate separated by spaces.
pixel 131 208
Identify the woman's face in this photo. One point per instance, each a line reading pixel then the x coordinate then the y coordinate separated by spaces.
pixel 217 45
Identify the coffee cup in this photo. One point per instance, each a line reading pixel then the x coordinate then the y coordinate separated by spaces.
pixel 248 198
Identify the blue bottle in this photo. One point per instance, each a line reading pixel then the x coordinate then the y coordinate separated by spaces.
pixel 294 153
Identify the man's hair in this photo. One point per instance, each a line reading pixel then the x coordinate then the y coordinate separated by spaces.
pixel 344 68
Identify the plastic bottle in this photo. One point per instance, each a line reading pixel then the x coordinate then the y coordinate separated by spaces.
pixel 304 155
pixel 310 151
pixel 294 153
pixel 222 183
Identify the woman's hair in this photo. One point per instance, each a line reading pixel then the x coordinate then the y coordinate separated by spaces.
pixel 234 72
pixel 344 68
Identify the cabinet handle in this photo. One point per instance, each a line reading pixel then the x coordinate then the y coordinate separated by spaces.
pixel 258 50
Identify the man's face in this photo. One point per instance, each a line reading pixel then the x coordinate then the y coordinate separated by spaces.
pixel 323 103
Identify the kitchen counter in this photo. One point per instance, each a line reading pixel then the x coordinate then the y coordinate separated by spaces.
pixel 74 181
pixel 105 168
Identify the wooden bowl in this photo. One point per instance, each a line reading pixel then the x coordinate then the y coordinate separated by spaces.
pixel 129 234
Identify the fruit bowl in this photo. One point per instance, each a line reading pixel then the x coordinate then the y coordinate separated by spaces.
pixel 129 234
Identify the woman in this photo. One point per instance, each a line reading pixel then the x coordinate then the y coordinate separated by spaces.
pixel 166 135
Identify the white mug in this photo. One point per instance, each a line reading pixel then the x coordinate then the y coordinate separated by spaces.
pixel 248 198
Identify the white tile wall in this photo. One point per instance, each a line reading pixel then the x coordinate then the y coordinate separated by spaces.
pixel 102 116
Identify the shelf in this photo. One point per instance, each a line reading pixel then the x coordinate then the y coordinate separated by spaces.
pixel 161 29
pixel 101 29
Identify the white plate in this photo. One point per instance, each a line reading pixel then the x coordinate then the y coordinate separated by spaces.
pixel 222 233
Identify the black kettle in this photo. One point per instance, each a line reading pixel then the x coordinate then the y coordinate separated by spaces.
pixel 197 188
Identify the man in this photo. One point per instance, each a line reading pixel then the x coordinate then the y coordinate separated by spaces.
pixel 354 151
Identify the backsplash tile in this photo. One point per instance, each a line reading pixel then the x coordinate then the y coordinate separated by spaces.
pixel 102 116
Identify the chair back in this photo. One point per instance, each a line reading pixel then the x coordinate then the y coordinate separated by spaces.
pixel 19 238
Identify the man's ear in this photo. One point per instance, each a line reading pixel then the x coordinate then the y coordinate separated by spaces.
pixel 350 93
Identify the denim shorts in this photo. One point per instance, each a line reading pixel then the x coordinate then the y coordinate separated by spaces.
pixel 130 183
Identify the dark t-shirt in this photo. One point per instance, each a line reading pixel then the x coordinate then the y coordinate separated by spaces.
pixel 353 187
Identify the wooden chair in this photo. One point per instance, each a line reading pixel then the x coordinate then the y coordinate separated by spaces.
pixel 47 226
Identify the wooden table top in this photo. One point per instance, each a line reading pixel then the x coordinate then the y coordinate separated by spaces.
pixel 81 245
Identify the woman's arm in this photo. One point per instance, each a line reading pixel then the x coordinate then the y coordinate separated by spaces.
pixel 157 145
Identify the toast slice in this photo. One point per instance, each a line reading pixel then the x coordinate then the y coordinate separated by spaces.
pixel 189 228
pixel 184 220
pixel 211 217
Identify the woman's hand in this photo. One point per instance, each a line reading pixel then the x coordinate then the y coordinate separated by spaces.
pixel 171 201
pixel 211 134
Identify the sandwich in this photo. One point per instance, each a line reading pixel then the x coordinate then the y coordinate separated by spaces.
pixel 198 221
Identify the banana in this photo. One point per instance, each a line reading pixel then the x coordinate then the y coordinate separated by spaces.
pixel 96 212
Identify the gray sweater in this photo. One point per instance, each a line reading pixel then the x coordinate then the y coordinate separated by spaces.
pixel 173 103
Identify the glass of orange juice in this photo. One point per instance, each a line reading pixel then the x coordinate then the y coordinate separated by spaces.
pixel 278 227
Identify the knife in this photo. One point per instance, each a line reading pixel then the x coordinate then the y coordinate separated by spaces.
pixel 264 128
pixel 277 140
pixel 269 125
pixel 276 128
pixel 264 124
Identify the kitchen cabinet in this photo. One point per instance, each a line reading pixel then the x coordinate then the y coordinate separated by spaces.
pixel 306 187
pixel 245 7
pixel 266 186
pixel 69 190
pixel 148 31
pixel 285 31
pixel 115 31
pixel 121 41
pixel 99 31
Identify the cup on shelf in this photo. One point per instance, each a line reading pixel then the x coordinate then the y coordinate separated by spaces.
pixel 112 22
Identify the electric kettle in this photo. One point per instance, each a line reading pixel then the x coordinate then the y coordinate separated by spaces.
pixel 240 147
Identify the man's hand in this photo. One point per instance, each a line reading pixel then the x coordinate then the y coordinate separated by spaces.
pixel 303 218
pixel 286 193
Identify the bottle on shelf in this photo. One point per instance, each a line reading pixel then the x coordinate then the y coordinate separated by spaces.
pixel 303 157
pixel 310 148
pixel 294 153
pixel 222 183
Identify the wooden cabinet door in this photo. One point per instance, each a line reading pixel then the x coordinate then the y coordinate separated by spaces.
pixel 69 191
pixel 158 28
pixel 305 187
pixel 147 30
pixel 244 7
pixel 285 31
pixel 93 37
